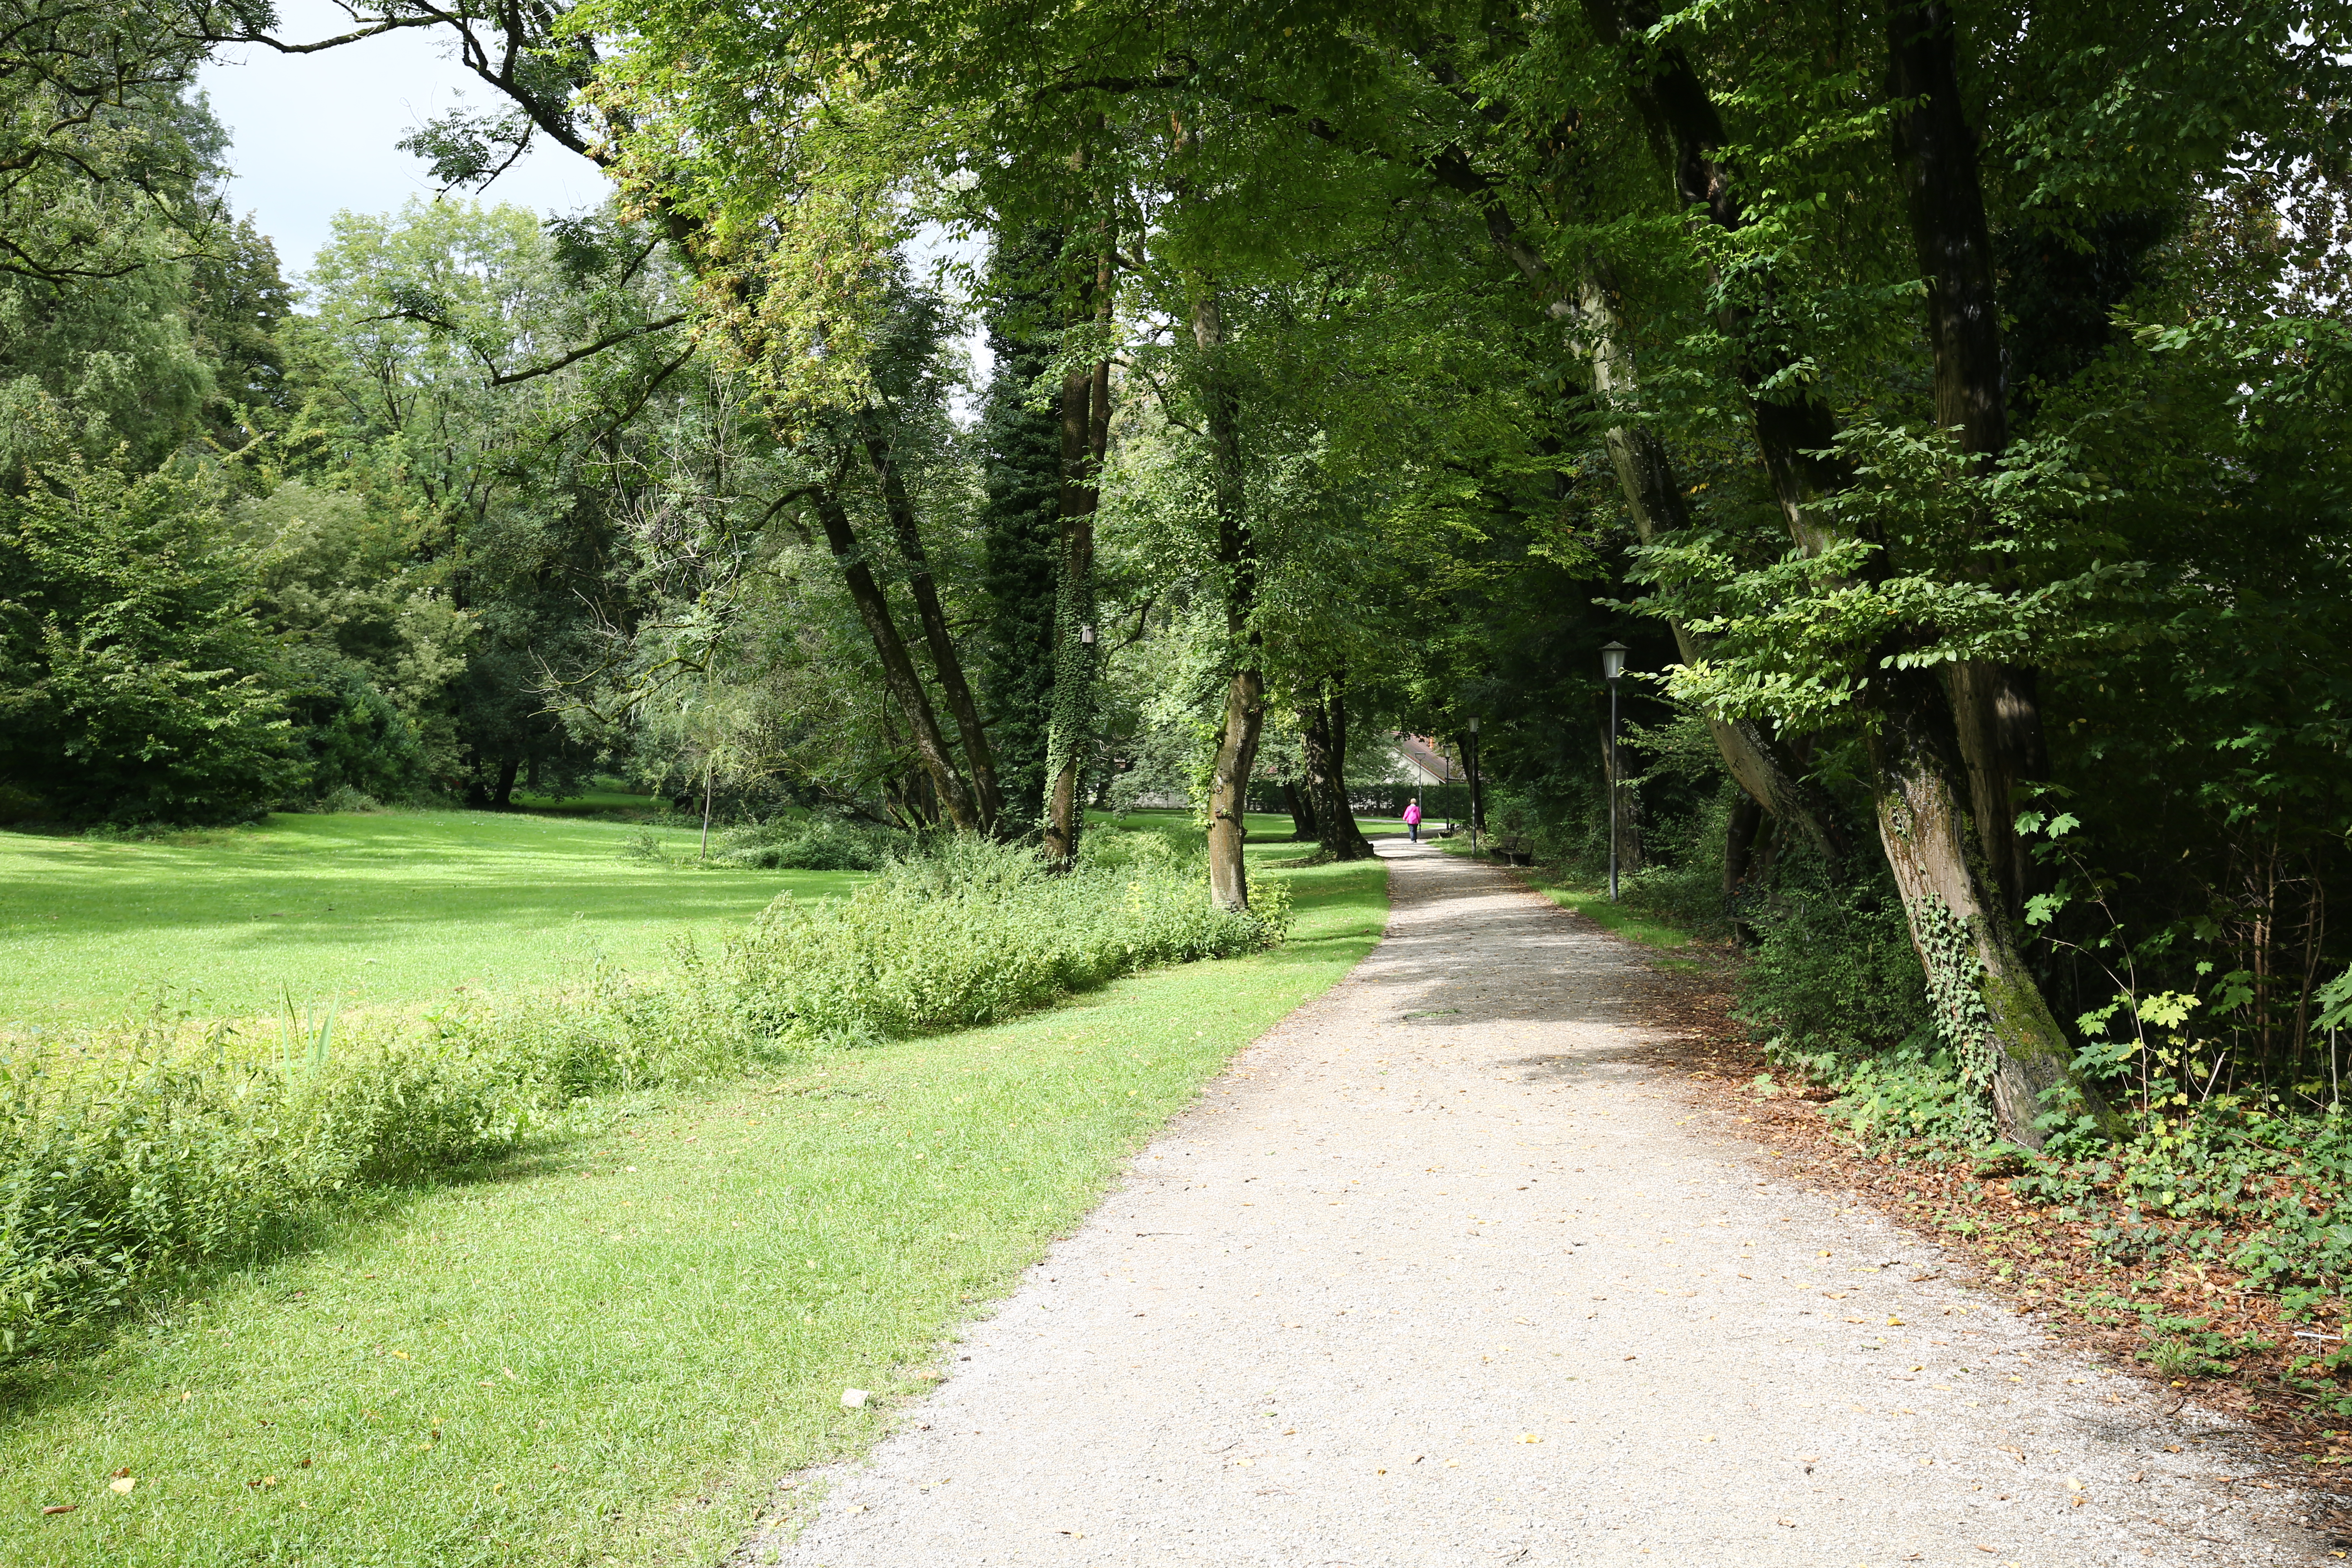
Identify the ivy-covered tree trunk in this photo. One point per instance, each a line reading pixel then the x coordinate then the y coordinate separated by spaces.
pixel 1245 717
pixel 1932 824
pixel 1020 526
pixel 1995 741
pixel 1323 731
pixel 1988 1005
pixel 1085 434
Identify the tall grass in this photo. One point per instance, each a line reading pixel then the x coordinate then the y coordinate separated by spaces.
pixel 135 1155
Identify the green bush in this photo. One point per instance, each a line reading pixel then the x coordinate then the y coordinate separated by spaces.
pixel 130 1158
pixel 135 1160
pixel 814 843
pixel 1833 973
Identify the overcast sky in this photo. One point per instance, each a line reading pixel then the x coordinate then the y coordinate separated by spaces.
pixel 313 134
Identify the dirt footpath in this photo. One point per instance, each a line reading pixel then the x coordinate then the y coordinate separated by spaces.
pixel 1439 1275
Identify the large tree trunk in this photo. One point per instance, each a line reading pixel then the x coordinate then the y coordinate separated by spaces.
pixel 952 796
pixel 1625 822
pixel 1995 706
pixel 1765 766
pixel 1085 431
pixel 1238 555
pixel 1229 780
pixel 1988 1005
pixel 1300 803
pixel 502 796
pixel 946 662
pixel 1323 729
pixel 1998 723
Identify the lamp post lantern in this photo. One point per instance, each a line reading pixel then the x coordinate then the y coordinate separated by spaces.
pixel 1612 665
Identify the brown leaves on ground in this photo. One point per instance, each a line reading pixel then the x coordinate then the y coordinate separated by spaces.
pixel 1716 1065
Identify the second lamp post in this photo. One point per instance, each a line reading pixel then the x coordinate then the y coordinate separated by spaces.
pixel 1612 665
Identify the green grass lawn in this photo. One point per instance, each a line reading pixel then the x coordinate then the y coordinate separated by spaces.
pixel 610 1350
pixel 373 910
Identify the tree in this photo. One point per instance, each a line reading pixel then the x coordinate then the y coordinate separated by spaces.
pixel 133 685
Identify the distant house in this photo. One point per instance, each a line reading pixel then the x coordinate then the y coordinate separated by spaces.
pixel 1428 764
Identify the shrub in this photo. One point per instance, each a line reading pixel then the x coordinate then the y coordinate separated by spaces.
pixel 810 844
pixel 134 1160
pixel 134 685
pixel 1833 973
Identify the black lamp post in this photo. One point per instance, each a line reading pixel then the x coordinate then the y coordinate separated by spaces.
pixel 1473 761
pixel 1612 665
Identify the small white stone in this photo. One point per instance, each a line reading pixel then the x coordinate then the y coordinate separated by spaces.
pixel 853 1399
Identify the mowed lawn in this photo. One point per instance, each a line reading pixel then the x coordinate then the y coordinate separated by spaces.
pixel 613 1348
pixel 373 910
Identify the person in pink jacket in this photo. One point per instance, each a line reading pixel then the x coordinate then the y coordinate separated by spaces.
pixel 1413 820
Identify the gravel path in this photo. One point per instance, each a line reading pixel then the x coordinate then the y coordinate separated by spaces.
pixel 1443 1272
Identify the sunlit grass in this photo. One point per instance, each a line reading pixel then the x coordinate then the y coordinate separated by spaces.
pixel 368 910
pixel 611 1350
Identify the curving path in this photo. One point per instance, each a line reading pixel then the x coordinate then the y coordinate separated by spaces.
pixel 1442 1272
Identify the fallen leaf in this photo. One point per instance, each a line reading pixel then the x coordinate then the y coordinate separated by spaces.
pixel 122 1484
pixel 1790 1523
pixel 61 1508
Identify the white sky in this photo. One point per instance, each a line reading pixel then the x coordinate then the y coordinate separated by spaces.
pixel 313 134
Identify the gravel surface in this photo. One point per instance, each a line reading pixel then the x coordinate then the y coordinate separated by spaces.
pixel 1444 1271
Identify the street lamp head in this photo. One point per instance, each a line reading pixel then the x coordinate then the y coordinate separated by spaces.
pixel 1474 724
pixel 1612 661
